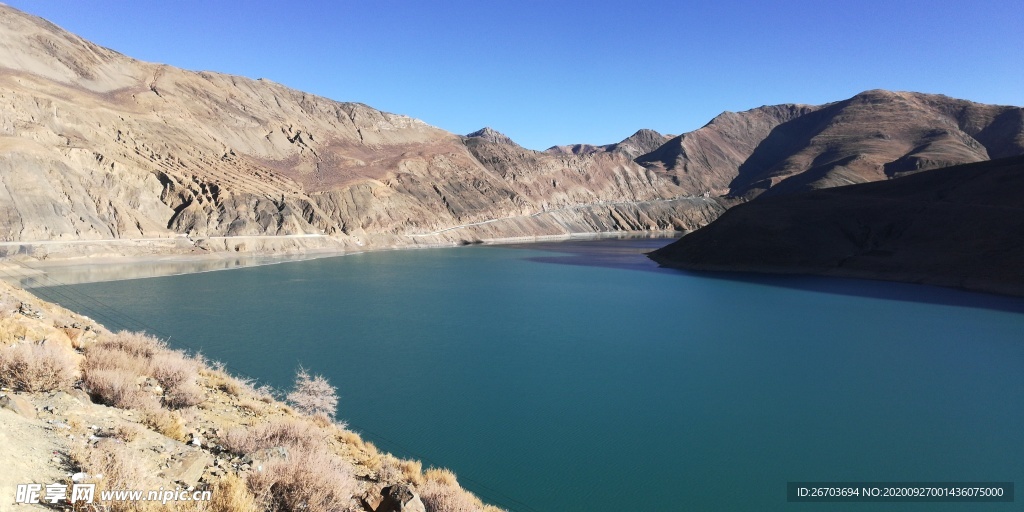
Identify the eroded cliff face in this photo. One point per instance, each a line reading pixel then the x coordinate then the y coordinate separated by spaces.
pixel 98 146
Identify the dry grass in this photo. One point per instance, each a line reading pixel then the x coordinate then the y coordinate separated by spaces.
pixel 441 492
pixel 136 344
pixel 441 476
pixel 238 387
pixel 118 388
pixel 168 423
pixel 287 432
pixel 251 406
pixel 412 471
pixel 438 496
pixel 37 367
pixel 179 377
pixel 232 495
pixel 115 364
pixel 186 394
pixel 126 432
pixel 121 469
pixel 229 386
pixel 311 481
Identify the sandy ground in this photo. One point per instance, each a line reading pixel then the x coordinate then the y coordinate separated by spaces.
pixel 29 455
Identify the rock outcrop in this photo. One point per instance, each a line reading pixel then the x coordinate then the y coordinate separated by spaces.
pixel 958 226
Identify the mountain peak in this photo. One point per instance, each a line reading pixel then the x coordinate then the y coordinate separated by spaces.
pixel 640 143
pixel 491 135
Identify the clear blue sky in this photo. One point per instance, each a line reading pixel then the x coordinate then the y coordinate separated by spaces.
pixel 561 72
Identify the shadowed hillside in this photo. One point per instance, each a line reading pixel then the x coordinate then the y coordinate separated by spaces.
pixel 959 226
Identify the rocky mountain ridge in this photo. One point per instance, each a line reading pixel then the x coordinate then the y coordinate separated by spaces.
pixel 99 147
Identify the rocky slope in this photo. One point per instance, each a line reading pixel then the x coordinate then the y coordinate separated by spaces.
pixel 98 147
pixel 959 226
pixel 66 418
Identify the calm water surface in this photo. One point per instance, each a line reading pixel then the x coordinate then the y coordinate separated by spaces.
pixel 579 376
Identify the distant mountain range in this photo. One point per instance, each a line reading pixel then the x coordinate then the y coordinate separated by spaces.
pixel 97 146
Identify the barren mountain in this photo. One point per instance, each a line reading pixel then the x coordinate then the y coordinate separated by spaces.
pixel 97 146
pixel 101 146
pixel 642 142
pixel 873 136
pixel 959 226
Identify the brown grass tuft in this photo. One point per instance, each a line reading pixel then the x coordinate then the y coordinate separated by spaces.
pixel 287 432
pixel 441 476
pixel 412 470
pixel 440 496
pixel 136 344
pixel 126 432
pixel 34 367
pixel 166 422
pixel 229 386
pixel 232 495
pixel 121 469
pixel 313 481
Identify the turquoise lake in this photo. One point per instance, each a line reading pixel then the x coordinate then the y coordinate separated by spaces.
pixel 579 376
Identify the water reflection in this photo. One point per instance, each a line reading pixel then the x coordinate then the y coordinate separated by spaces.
pixel 36 275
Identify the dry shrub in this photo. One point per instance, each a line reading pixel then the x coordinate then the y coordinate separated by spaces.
pixel 113 367
pixel 313 395
pixel 237 387
pixel 349 437
pixel 168 423
pixel 185 394
pixel 171 368
pixel 307 480
pixel 287 432
pixel 412 470
pixel 118 388
pixel 229 386
pixel 441 492
pixel 232 495
pixel 365 452
pixel 126 432
pixel 252 406
pixel 136 344
pixel 116 363
pixel 322 420
pixel 99 357
pixel 179 377
pixel 388 469
pixel 440 475
pixel 121 469
pixel 438 495
pixel 33 367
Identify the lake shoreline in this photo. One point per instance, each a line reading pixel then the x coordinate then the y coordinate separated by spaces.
pixel 106 267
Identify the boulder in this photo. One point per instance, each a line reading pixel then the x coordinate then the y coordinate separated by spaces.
pixel 188 468
pixel 19 405
pixel 399 498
